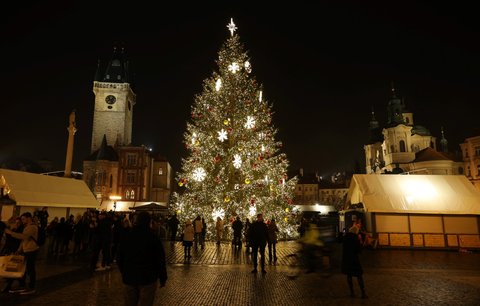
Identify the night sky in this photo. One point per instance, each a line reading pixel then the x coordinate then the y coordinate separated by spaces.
pixel 323 67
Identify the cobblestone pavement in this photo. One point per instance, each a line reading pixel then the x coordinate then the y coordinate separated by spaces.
pixel 220 276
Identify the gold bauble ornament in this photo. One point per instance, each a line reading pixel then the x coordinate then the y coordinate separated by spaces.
pixel 247 181
pixel 227 199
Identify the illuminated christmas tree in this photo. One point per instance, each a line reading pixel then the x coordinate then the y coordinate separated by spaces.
pixel 234 166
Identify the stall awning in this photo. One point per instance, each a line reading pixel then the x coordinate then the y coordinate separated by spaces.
pixel 428 194
pixel 30 189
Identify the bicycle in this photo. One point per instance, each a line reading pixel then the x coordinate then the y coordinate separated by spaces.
pixel 308 259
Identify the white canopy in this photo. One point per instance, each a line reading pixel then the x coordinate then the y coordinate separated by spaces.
pixel 426 194
pixel 30 189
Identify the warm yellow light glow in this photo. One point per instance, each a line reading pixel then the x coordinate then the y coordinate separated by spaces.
pixel 218 85
pixel 418 189
pixel 115 197
pixel 287 209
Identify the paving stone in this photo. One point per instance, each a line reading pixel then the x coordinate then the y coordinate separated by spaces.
pixel 221 276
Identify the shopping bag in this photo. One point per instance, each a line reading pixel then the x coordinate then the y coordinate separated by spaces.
pixel 12 266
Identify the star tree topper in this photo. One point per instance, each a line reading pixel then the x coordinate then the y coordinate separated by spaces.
pixel 231 26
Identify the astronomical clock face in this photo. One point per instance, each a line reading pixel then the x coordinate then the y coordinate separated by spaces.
pixel 110 99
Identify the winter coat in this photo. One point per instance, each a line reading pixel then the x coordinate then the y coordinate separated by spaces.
pixel 350 261
pixel 272 232
pixel 258 234
pixel 29 237
pixel 141 257
pixel 237 227
pixel 188 233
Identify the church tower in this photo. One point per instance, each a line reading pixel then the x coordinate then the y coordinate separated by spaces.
pixel 114 102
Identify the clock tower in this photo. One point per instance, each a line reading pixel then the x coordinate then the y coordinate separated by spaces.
pixel 114 102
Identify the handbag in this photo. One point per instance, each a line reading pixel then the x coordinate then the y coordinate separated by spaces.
pixel 12 266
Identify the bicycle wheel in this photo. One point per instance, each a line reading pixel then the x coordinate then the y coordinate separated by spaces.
pixel 294 266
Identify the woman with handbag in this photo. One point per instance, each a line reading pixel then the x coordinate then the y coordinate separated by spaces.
pixel 29 247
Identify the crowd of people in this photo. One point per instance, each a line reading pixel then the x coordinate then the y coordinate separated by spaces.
pixel 134 242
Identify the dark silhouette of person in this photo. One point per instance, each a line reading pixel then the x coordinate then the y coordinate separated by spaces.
pixel 258 240
pixel 237 227
pixel 350 262
pixel 173 223
pixel 141 260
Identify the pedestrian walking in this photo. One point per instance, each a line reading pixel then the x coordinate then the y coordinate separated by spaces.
pixel 258 236
pixel 219 226
pixel 350 262
pixel 141 260
pixel 29 247
pixel 188 235
pixel 272 241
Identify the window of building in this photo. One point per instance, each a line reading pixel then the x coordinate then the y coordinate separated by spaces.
pixel 402 146
pixel 127 194
pixel 468 171
pixel 477 151
pixel 460 170
pixel 160 171
pixel 392 149
pixel 130 177
pixel 299 188
pixel 132 195
pixel 478 169
pixel 111 181
pixel 131 159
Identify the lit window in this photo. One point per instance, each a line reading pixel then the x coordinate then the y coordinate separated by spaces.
pixel 127 194
pixel 132 195
pixel 160 171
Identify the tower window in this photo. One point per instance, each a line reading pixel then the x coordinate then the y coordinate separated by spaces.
pixel 131 178
pixel 477 151
pixel 402 146
pixel 160 171
pixel 131 159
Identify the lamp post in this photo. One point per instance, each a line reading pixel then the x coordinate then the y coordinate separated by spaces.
pixel 114 198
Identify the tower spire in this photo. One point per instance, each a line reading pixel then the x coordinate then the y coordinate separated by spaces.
pixel 443 142
pixel 71 133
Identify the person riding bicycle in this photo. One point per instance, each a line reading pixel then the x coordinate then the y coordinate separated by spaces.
pixel 311 242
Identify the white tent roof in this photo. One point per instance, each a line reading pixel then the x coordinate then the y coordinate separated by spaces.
pixel 426 194
pixel 30 189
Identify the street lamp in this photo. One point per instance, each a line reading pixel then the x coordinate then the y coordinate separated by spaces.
pixel 115 198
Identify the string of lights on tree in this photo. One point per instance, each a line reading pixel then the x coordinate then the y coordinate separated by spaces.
pixel 234 165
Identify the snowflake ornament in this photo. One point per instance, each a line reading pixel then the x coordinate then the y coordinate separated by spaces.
pixel 218 84
pixel 194 138
pixel 248 66
pixel 250 124
pixel 222 135
pixel 233 67
pixel 237 161
pixel 199 174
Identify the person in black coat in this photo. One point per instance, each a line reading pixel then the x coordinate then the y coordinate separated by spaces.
pixel 258 236
pixel 350 262
pixel 141 260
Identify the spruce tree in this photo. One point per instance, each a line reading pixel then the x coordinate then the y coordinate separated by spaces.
pixel 235 166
